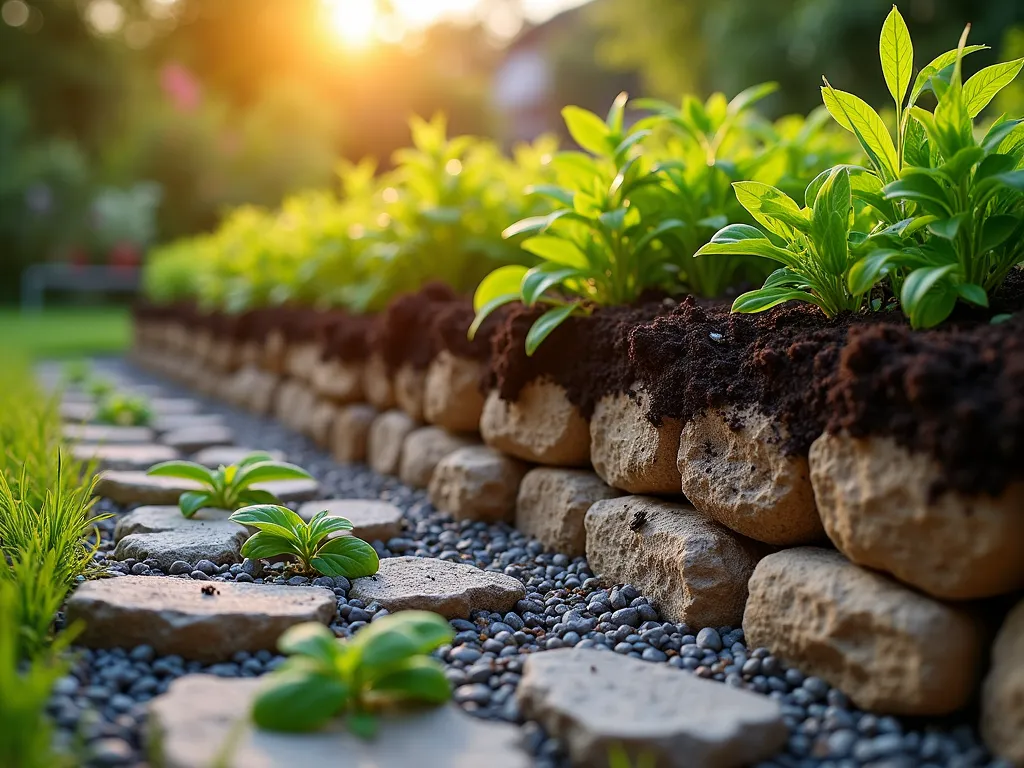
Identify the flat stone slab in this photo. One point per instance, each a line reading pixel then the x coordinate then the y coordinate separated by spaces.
pixel 192 439
pixel 159 519
pixel 77 411
pixel 200 713
pixel 429 584
pixel 176 616
pixel 174 406
pixel 217 544
pixel 140 488
pixel 124 456
pixel 371 519
pixel 104 435
pixel 226 455
pixel 187 420
pixel 593 701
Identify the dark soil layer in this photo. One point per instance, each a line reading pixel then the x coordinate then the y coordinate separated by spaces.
pixel 402 334
pixel 344 337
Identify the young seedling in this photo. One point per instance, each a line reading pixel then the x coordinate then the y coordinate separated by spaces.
pixel 229 487
pixel 385 665
pixel 282 532
pixel 124 411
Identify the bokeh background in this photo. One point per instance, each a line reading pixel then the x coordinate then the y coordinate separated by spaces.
pixel 129 122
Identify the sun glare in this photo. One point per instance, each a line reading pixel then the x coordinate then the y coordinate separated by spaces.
pixel 354 22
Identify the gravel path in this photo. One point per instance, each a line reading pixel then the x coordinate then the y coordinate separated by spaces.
pixel 102 703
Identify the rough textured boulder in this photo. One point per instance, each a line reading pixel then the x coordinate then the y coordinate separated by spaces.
pixel 1002 700
pixel 451 396
pixel 889 648
pixel 192 439
pixel 595 701
pixel 190 724
pixel 428 584
pixel 733 469
pixel 350 432
pixel 378 387
pixel 340 382
pixel 123 456
pixel 876 504
pixel 423 450
pixel 541 426
pixel 408 384
pixel 477 483
pixel 371 519
pixel 628 451
pixel 178 616
pixel 694 569
pixel 385 441
pixel 553 502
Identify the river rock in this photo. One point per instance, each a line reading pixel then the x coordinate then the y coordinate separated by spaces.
pixel 339 381
pixel 631 453
pixel 175 616
pixel 1002 699
pixel 552 503
pixel 385 441
pixel 734 469
pixel 190 724
pixel 451 394
pixel 192 439
pixel 596 701
pixel 226 455
pixel 350 432
pixel 889 648
pixel 123 456
pixel 378 386
pixel 541 426
pixel 104 435
pixel 477 483
pixel 428 584
pixel 140 488
pixel 423 450
pixel 371 519
pixel 408 384
pixel 694 569
pixel 876 502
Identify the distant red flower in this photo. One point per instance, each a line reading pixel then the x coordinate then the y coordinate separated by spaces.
pixel 180 87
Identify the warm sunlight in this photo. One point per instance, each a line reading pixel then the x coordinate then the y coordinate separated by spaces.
pixel 353 21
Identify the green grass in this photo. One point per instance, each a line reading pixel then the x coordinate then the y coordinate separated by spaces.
pixel 65 332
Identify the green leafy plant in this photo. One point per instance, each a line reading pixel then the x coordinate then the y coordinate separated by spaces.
pixel 76 372
pixel 99 387
pixel 280 531
pixel 385 665
pixel 124 410
pixel 229 487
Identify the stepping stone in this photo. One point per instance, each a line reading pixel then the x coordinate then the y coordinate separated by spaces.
pixel 175 616
pixel 220 543
pixel 171 423
pixel 78 413
pixel 226 455
pixel 371 520
pixel 104 435
pixel 124 456
pixel 429 584
pixel 153 519
pixel 174 406
pixel 593 701
pixel 190 724
pixel 192 439
pixel 139 488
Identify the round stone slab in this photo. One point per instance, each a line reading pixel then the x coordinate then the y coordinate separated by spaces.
pixel 371 520
pixel 192 439
pixel 140 488
pixel 227 455
pixel 151 519
pixel 428 584
pixel 184 421
pixel 104 435
pixel 593 701
pixel 124 456
pixel 199 714
pixel 177 616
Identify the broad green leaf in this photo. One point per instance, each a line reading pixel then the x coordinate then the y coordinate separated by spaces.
pixel 897 54
pixel 750 96
pixel 947 228
pixel 998 132
pixel 363 725
pixel 861 179
pixel 856 115
pixel 615 219
pixel 867 271
pixel 982 87
pixel 271 518
pixel 751 248
pixel 734 233
pixel 191 502
pixel 924 300
pixel 669 225
pixel 547 323
pixel 528 226
pixel 346 556
pixel 785 278
pixel 915 144
pixel 398 637
pixel 615 114
pixel 627 143
pixel 798 220
pixel 935 66
pixel 562 195
pixel 996 230
pixel 557 250
pixel 762 299
pixel 922 189
pixel 186 470
pixel 257 457
pixel 267 472
pixel 418 679
pixel 545 276
pixel 487 309
pixel 312 640
pixel 973 294
pixel 957 168
pixel 752 194
pixel 265 545
pixel 324 524
pixel 501 282
pixel 297 701
pixel 254 496
pixel 587 129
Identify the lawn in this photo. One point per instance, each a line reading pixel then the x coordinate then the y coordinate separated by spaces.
pixel 64 332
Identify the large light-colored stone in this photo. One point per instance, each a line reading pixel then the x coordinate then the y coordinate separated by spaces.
pixel 321 422
pixel 253 388
pixel 733 468
pixel 192 439
pixel 628 451
pixel 889 648
pixel 477 483
pixel 596 701
pixel 226 455
pixel 294 404
pixel 104 435
pixel 164 424
pixel 350 432
pixel 423 450
pixel 553 502
pixel 429 584
pixel 408 384
pixel 176 616
pixel 339 381
pixel 218 543
pixel 1002 699
pixel 157 519
pixel 371 519
pixel 378 387
pixel 451 393
pixel 541 426
pixel 694 569
pixel 174 406
pixel 191 724
pixel 875 500
pixel 385 440
pixel 140 488
pixel 301 360
pixel 123 456
pixel 78 412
